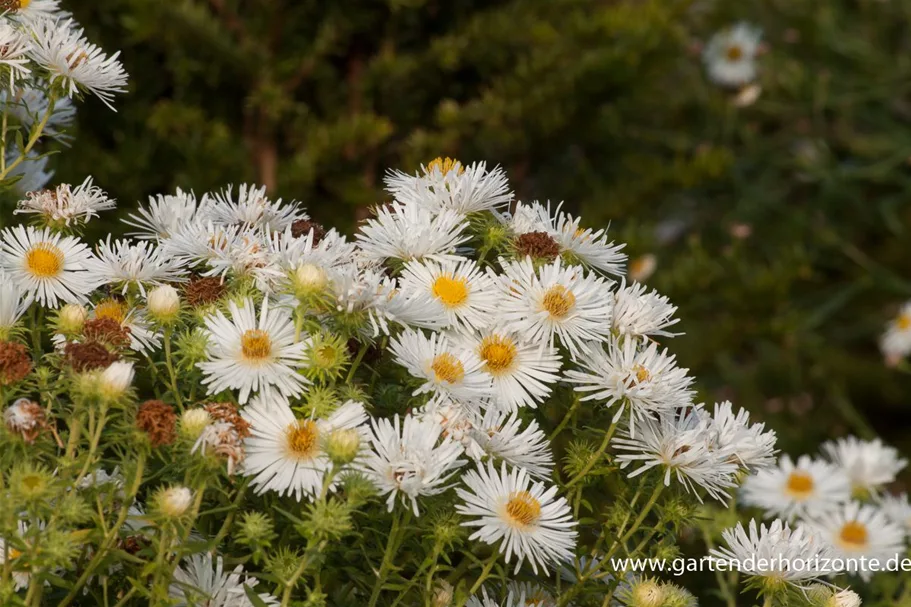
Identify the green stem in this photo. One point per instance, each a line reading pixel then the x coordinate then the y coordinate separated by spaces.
pixel 171 373
pixel 594 458
pixel 567 417
pixel 357 362
pixel 386 563
pixel 32 140
pixel 485 572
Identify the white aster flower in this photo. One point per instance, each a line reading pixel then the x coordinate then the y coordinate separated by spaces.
pixel 522 372
pixel 638 312
pixel 50 267
pixel 556 301
pixel 252 208
pixel 645 380
pixel 897 509
pixel 730 56
pixel 512 599
pixel 856 530
pixel 501 436
pixel 411 458
pixel 752 445
pixel 66 204
pixel 591 247
pixel 530 217
pixel 412 232
pixel 286 454
pixel 464 295
pixel 26 11
pixel 165 215
pixel 775 551
pixel 895 343
pixel 807 487
pixel 196 582
pixel 13 304
pixel 532 522
pixel 125 264
pixel 446 184
pixel 143 337
pixel 869 464
pixel 74 63
pixel 445 369
pixel 308 264
pixel 250 354
pixel 14 47
pixel 679 443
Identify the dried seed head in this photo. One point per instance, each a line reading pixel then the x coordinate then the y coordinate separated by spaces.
pixel 203 290
pixel 107 331
pixel 158 420
pixel 88 356
pixel 537 245
pixel 227 412
pixel 302 227
pixel 15 363
pixel 25 417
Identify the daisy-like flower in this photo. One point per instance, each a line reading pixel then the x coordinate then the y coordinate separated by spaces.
pixel 645 380
pixel 143 338
pixel 856 530
pixel 286 454
pixel 771 552
pixel 50 267
pixel 74 63
pixel 409 232
pixel 897 509
pixel 529 217
pixel 465 296
pixel 252 208
pixel 14 47
pixel 13 304
pixel 408 458
pixel 202 580
pixel 165 214
pixel 308 264
pixel 67 205
pixel 126 264
pixel 895 343
pixel 522 372
pixel 730 56
pixel 751 444
pixel 445 369
pixel 527 518
pixel 638 312
pixel 591 247
pixel 252 355
pixel 502 436
pixel 680 445
pixel 869 464
pixel 807 487
pixel 556 301
pixel 31 10
pixel 445 183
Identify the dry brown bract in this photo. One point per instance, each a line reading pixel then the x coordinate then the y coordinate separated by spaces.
pixel 15 363
pixel 107 331
pixel 88 356
pixel 158 420
pixel 202 290
pixel 539 245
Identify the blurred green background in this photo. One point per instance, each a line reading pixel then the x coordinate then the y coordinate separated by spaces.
pixel 778 228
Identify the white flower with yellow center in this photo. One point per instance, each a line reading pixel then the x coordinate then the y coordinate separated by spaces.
pixel 772 552
pixel 66 204
pixel 869 464
pixel 638 312
pixel 75 64
pixel 143 338
pixel 250 354
pixel 730 56
pixel 679 444
pixel 286 454
pixel 444 368
pixel 626 375
pixel 139 265
pixel 464 295
pixel 308 265
pixel 807 487
pixel 501 436
pixel 411 458
pixel 14 47
pixel 527 518
pixel 48 266
pixel 409 232
pixel 445 183
pixel 196 582
pixel 557 301
pixel 856 530
pixel 165 214
pixel 589 246
pixel 522 373
pixel 895 343
pixel 25 11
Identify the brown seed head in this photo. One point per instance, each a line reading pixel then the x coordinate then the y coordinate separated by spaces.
pixel 202 290
pixel 158 420
pixel 88 356
pixel 302 227
pixel 25 417
pixel 107 331
pixel 538 245
pixel 227 412
pixel 15 363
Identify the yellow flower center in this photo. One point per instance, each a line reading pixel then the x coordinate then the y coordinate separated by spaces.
pixel 641 373
pixel 853 536
pixel 558 301
pixel 799 485
pixel 44 260
pixel 303 439
pixel 13 553
pixel 325 356
pixel 444 165
pixel 255 344
pixel 903 322
pixel 451 291
pixel 523 509
pixel 447 368
pixel 498 353
pixel 111 308
pixel 734 53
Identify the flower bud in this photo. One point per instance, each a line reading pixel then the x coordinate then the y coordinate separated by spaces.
pixel 115 380
pixel 342 446
pixel 308 279
pixel 173 502
pixel 442 594
pixel 193 422
pixel 647 593
pixel 71 318
pixel 843 598
pixel 164 303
